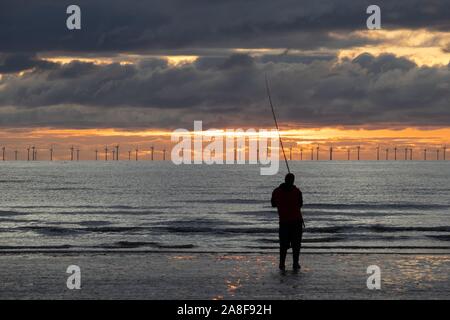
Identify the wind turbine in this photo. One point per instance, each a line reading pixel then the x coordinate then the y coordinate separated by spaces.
pixel 444 149
pixel 28 152
pixel 15 154
pixel 317 152
pixel 117 152
pixel 153 150
pixel 424 154
pixel 301 153
pixel 378 153
pixel 331 152
pixel 137 150
pixel 164 154
pixel 78 154
pixel 129 155
pixel 51 153
pixel 348 153
pixel 96 154
pixel 71 153
pixel 395 153
pixel 359 149
pixel 106 153
pixel 3 151
pixel 387 153
pixel 34 154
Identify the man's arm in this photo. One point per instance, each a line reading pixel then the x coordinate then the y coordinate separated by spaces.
pixel 273 201
pixel 301 199
pixel 301 205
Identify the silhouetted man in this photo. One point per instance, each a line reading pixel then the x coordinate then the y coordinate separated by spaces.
pixel 288 199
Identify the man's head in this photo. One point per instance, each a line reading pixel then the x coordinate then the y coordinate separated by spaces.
pixel 289 179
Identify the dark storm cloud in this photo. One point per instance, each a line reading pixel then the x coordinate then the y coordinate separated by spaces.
pixel 384 90
pixel 135 25
pixel 16 62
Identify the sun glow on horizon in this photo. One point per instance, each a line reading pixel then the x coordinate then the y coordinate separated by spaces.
pixel 294 140
pixel 302 136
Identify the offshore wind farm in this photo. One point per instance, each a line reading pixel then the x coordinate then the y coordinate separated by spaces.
pixel 322 153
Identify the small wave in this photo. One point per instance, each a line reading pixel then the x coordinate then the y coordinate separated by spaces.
pixel 319 214
pixel 343 238
pixel 94 223
pixel 139 244
pixel 442 237
pixel 256 213
pixel 50 230
pixel 196 229
pixel 59 231
pixel 196 222
pixel 381 228
pixel 228 201
pixel 307 240
pixel 108 212
pixel 363 206
pixel 123 207
pixel 14 181
pixel 128 244
pixel 63 246
pixel 176 246
pixel 375 228
pixel 68 189
pixel 9 213
pixel 112 229
pixel 364 214
pixel 332 229
pixel 357 247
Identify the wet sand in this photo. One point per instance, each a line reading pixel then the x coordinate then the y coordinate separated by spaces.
pixel 130 275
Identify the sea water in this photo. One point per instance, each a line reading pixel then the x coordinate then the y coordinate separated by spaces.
pixel 128 205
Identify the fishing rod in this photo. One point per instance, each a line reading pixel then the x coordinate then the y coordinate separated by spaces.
pixel 278 130
pixel 276 123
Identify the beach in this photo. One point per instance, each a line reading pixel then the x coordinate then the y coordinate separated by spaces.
pixel 181 275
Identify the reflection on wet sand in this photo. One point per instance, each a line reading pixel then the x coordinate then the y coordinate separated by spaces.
pixel 182 257
pixel 244 269
pixel 419 271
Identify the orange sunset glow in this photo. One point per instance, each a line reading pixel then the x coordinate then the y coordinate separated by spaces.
pixel 89 140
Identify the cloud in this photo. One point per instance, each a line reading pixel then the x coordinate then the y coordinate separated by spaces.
pixel 16 62
pixel 366 91
pixel 135 25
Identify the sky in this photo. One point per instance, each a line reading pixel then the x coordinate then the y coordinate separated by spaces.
pixel 139 69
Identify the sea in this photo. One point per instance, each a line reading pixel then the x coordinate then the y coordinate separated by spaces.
pixel 349 206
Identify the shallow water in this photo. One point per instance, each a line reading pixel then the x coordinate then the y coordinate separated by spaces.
pixel 350 205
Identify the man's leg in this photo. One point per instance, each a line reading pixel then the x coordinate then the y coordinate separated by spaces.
pixel 296 245
pixel 283 253
pixel 284 244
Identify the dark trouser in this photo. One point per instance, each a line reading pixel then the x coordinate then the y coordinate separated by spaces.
pixel 290 236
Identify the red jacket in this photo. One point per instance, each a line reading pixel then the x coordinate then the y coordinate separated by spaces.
pixel 288 201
